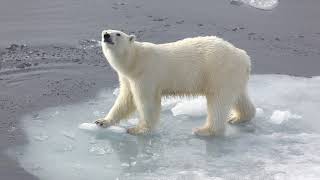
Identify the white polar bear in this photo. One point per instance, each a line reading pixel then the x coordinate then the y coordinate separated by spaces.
pixel 205 66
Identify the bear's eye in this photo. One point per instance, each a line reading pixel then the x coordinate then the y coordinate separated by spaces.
pixel 118 34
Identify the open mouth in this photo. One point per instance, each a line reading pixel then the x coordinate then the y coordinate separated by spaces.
pixel 109 41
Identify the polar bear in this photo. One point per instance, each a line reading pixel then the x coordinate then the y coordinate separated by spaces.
pixel 201 66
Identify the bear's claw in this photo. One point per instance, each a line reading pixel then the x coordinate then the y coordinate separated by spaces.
pixel 103 123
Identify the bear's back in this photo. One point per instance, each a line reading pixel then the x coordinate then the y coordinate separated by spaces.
pixel 188 64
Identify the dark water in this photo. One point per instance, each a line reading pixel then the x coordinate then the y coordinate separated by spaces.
pixel 49 54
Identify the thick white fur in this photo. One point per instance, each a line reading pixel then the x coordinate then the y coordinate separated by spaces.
pixel 206 66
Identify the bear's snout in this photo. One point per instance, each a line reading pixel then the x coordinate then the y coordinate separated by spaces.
pixel 107 38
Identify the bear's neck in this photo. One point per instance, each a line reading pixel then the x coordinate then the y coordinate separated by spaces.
pixel 124 63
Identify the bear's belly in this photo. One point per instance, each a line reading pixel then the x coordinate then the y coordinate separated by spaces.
pixel 186 88
pixel 168 92
pixel 185 84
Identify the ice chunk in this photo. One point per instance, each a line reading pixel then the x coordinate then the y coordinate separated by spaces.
pixel 259 112
pixel 93 127
pixel 279 117
pixel 89 127
pixel 194 107
pixel 262 4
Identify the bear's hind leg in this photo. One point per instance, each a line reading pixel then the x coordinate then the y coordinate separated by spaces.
pixel 217 108
pixel 243 110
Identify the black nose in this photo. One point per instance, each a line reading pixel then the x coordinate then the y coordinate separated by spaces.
pixel 106 36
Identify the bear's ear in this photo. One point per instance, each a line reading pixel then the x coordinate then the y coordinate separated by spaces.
pixel 132 38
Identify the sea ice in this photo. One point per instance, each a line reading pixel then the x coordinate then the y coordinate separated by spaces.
pixel 93 127
pixel 89 127
pixel 279 117
pixel 281 142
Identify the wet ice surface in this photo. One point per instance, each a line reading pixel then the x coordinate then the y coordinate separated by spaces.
pixel 282 142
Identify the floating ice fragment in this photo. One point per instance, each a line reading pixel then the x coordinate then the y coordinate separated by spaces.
pixel 93 127
pixel 133 163
pixel 259 112
pixel 89 127
pixel 279 117
pixel 262 4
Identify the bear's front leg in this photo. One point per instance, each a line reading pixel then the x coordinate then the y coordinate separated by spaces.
pixel 122 108
pixel 104 122
pixel 148 103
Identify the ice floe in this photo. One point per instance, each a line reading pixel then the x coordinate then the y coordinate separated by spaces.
pixel 281 142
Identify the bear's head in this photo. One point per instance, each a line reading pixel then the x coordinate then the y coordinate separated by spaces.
pixel 116 41
pixel 118 48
